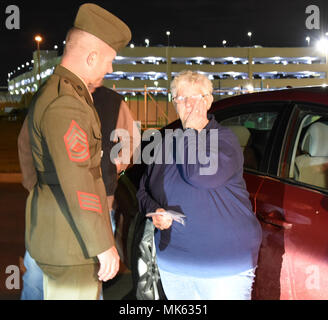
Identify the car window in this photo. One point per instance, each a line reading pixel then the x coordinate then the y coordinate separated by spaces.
pixel 309 159
pixel 253 131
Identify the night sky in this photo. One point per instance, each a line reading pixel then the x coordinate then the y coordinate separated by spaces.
pixel 279 23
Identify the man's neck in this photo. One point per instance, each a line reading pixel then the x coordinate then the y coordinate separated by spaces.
pixel 72 69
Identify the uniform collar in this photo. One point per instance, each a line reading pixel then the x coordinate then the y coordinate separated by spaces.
pixel 77 83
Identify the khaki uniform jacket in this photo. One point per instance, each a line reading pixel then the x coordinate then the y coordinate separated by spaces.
pixel 67 220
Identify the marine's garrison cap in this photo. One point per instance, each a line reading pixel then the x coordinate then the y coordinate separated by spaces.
pixel 104 25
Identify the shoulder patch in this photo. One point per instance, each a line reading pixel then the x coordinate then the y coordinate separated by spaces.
pixel 76 142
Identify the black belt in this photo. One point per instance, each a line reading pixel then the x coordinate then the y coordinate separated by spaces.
pixel 49 178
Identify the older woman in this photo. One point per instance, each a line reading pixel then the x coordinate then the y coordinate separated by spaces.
pixel 214 255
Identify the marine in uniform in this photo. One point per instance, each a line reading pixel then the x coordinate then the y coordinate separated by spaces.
pixel 67 222
pixel 114 114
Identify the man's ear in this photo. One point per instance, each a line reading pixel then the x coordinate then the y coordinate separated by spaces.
pixel 92 58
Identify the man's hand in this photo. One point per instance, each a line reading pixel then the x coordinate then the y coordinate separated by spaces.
pixel 162 221
pixel 109 264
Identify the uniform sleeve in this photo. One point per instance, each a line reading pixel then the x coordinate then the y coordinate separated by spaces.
pixel 71 138
pixel 145 200
pixel 29 177
pixel 225 157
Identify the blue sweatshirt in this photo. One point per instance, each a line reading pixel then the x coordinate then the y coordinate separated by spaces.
pixel 221 235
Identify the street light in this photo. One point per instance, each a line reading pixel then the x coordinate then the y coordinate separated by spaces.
pixel 308 39
pixel 168 38
pixel 250 88
pixel 147 42
pixel 322 45
pixel 38 39
pixel 249 34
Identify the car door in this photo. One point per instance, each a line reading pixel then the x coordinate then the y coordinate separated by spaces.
pixel 255 125
pixel 293 198
pixel 266 123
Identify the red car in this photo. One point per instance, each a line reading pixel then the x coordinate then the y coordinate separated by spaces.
pixel 284 135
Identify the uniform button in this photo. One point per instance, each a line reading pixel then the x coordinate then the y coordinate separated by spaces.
pixel 79 87
pixel 66 81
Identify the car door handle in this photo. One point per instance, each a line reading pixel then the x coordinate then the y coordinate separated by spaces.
pixel 275 218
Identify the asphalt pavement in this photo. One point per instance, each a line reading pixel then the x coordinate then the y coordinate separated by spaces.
pixel 12 248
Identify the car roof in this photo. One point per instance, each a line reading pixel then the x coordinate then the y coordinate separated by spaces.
pixel 318 95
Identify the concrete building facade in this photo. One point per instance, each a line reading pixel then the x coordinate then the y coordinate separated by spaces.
pixel 143 74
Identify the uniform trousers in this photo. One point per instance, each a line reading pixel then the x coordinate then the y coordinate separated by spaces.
pixel 33 276
pixel 71 282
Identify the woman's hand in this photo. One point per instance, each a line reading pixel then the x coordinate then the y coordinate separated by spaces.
pixel 162 222
pixel 197 118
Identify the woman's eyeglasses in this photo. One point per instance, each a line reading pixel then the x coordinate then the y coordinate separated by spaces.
pixel 196 98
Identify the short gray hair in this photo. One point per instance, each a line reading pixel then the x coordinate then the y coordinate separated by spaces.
pixel 191 77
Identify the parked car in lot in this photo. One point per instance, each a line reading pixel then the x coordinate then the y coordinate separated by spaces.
pixel 284 137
